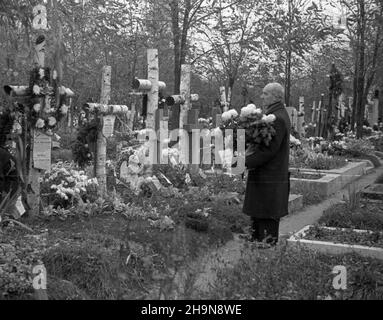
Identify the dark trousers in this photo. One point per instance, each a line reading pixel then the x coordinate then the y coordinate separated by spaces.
pixel 265 230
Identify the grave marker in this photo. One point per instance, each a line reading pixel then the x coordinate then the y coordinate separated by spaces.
pixel 152 87
pixel 37 156
pixel 101 110
pixel 188 115
pixel 223 101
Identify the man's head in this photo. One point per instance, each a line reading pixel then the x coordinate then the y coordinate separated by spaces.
pixel 272 93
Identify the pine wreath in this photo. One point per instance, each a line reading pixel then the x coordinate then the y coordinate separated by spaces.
pixel 86 143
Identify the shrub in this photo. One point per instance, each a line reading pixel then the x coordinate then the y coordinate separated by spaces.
pixel 67 139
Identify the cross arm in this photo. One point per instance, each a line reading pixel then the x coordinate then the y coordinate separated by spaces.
pixel 106 109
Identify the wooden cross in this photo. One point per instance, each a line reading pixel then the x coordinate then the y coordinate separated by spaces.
pixel 216 116
pixel 106 117
pixel 301 116
pixel 223 101
pixel 321 116
pixel 30 163
pixel 152 88
pixel 313 113
pixel 188 119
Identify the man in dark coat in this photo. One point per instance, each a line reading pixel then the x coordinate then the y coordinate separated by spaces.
pixel 268 183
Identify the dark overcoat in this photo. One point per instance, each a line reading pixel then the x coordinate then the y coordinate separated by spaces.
pixel 268 182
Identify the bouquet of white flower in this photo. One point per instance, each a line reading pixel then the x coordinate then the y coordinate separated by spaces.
pixel 259 127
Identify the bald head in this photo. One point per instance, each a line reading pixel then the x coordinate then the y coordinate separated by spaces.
pixel 272 93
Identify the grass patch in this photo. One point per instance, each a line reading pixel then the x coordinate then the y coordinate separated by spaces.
pixel 365 216
pixel 304 175
pixel 288 273
pixel 348 236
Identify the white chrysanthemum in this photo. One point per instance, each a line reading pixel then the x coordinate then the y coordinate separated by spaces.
pixel 52 121
pixel 41 73
pixel 64 109
pixel 40 123
pixel 36 89
pixel 250 109
pixel 37 107
pixel 294 140
pixel 226 116
pixel 233 113
pixel 269 118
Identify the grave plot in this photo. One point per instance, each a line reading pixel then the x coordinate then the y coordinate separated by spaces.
pixel 349 173
pixel 340 241
pixel 352 226
pixel 373 192
pixel 322 184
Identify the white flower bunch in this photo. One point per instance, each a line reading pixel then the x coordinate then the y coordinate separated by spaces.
pixel 40 123
pixel 294 141
pixel 268 118
pixel 72 181
pixel 250 110
pixel 232 113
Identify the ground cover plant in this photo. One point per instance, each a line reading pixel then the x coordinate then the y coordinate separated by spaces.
pixel 345 236
pixel 286 273
pixel 20 252
pixel 364 216
pixel 157 231
pixel 309 159
pixel 305 175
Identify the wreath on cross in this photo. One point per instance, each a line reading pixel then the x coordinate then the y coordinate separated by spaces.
pixel 45 112
pixel 86 143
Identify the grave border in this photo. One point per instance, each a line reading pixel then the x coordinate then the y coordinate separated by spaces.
pixel 329 247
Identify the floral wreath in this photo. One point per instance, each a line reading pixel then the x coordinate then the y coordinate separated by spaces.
pixel 86 143
pixel 45 112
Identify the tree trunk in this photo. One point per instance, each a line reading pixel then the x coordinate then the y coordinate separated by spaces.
pixel 185 30
pixel 361 77
pixel 288 58
pixel 177 45
pixel 101 140
pixel 230 91
pixel 355 85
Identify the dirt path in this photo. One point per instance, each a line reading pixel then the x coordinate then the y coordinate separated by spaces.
pixel 229 254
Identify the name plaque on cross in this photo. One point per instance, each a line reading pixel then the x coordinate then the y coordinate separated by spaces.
pixel 42 146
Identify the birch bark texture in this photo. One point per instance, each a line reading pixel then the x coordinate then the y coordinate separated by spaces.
pixel 101 140
pixel 153 77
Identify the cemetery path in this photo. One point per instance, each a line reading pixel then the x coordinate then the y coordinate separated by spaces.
pixel 230 254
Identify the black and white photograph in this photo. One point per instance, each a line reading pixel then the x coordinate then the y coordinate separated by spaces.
pixel 191 156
